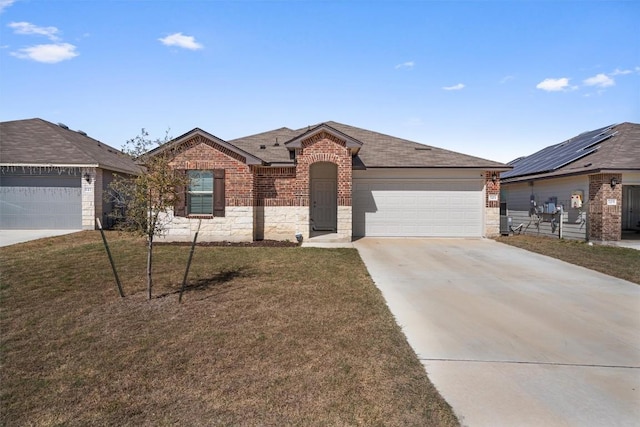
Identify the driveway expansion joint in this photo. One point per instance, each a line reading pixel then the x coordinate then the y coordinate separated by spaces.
pixel 524 362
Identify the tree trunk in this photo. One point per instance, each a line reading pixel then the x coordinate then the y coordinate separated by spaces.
pixel 149 264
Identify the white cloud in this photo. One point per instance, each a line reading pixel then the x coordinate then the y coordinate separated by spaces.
pixel 5 4
pixel 618 72
pixel 599 80
pixel 180 40
pixel 554 85
pixel 407 65
pixel 47 53
pixel 506 79
pixel 26 28
pixel 459 86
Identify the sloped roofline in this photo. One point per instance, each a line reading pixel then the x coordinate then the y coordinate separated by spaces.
pixel 250 158
pixel 590 163
pixel 89 152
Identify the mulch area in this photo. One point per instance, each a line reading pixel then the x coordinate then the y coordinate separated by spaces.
pixel 255 243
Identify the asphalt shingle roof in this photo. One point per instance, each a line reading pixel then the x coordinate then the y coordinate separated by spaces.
pixel 39 142
pixel 378 150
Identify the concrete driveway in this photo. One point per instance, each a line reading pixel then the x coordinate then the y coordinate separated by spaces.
pixel 512 338
pixel 12 237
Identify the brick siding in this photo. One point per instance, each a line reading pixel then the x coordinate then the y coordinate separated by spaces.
pixel 202 154
pixel 493 188
pixel 323 147
pixel 274 186
pixel 605 221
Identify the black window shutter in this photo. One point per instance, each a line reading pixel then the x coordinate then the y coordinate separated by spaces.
pixel 218 192
pixel 180 208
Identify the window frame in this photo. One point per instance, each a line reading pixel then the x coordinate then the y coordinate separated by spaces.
pixel 190 193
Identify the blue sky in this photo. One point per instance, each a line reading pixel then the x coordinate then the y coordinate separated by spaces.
pixel 494 79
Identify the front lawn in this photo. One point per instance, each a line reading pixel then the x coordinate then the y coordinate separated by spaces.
pixel 263 337
pixel 623 263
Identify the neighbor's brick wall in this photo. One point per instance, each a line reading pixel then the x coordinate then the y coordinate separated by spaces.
pixel 203 154
pixel 492 207
pixel 323 147
pixel 493 188
pixel 605 221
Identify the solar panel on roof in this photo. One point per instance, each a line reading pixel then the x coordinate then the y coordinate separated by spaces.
pixel 556 156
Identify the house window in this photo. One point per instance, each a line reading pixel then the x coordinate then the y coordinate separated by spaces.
pixel 200 192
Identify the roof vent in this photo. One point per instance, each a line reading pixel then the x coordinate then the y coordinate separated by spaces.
pixel 263 147
pixel 63 126
pixel 277 144
pixel 423 148
pixel 81 132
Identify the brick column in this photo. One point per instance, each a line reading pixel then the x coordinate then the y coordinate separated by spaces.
pixel 605 208
pixel 491 207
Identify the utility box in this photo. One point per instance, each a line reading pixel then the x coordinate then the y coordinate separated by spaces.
pixel 505 221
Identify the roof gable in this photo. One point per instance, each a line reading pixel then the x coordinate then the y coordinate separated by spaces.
pixel 353 144
pixel 177 144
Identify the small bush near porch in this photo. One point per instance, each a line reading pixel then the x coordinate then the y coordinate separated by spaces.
pixel 264 336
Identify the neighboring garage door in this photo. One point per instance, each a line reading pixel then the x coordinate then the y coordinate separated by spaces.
pixel 48 201
pixel 417 207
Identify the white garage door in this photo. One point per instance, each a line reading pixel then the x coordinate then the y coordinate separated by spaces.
pixel 417 207
pixel 40 202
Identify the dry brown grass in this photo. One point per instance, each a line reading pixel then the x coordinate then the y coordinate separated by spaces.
pixel 264 336
pixel 623 263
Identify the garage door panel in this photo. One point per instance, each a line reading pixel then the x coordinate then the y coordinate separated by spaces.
pixel 40 208
pixel 418 208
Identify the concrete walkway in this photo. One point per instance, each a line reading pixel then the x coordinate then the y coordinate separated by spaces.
pixel 512 338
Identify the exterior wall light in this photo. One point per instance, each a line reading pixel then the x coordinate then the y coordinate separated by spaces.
pixel 614 182
pixel 494 178
pixel 87 177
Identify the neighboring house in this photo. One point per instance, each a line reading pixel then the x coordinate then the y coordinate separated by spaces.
pixel 329 179
pixel 594 176
pixel 52 177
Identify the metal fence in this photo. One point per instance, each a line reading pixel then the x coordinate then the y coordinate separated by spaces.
pixel 551 219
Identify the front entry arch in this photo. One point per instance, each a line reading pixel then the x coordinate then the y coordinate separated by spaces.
pixel 323 206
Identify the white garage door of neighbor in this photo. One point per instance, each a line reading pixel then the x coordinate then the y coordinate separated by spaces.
pixel 420 208
pixel 37 203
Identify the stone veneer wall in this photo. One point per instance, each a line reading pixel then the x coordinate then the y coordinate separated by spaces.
pixel 91 198
pixel 235 226
pixel 345 222
pixel 604 219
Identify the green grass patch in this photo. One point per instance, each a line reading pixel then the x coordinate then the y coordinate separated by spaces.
pixel 623 263
pixel 264 336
